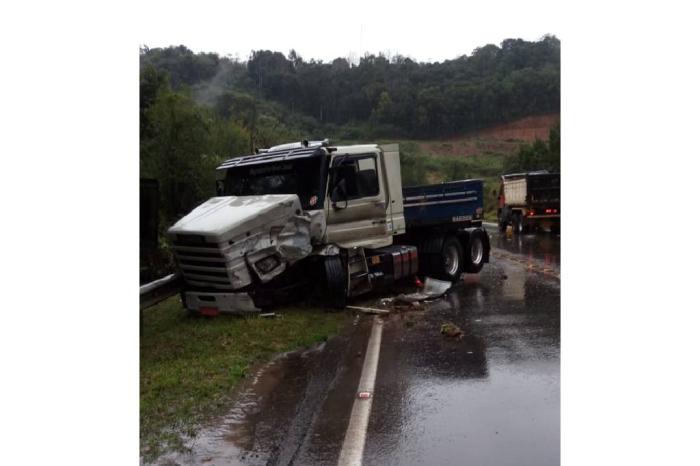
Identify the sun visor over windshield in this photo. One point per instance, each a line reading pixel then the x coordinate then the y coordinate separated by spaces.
pixel 273 156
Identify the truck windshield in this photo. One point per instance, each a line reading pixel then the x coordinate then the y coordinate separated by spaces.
pixel 301 177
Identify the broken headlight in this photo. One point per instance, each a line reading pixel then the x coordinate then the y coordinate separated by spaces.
pixel 267 264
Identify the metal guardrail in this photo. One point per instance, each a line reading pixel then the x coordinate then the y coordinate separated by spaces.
pixel 158 290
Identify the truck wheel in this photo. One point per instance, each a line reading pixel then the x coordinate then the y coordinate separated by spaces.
pixel 502 221
pixel 452 255
pixel 517 224
pixel 336 281
pixel 476 255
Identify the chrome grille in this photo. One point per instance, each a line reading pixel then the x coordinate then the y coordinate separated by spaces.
pixel 202 264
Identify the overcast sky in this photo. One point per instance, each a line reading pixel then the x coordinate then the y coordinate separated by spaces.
pixel 436 31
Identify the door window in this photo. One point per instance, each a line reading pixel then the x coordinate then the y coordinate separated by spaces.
pixel 357 176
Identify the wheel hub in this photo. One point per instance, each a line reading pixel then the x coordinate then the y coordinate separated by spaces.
pixel 477 250
pixel 451 260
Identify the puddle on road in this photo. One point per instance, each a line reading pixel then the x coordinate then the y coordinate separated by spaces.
pixel 249 432
pixel 491 397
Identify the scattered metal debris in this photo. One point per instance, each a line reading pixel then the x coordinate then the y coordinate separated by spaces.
pixel 432 289
pixel 451 330
pixel 368 310
pixel 268 315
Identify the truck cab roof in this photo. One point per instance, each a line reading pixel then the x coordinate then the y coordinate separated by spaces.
pixel 294 151
pixel 357 148
pixel 524 174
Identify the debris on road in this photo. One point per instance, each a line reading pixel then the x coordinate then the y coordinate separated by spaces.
pixel 432 289
pixel 435 288
pixel 268 315
pixel 368 310
pixel 451 330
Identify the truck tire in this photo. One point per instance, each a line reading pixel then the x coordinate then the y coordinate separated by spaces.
pixel 452 256
pixel 517 223
pixel 502 221
pixel 335 275
pixel 476 254
pixel 429 256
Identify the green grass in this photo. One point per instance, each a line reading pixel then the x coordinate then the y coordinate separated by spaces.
pixel 189 366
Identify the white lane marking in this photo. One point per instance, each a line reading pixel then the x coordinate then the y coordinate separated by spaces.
pixel 354 442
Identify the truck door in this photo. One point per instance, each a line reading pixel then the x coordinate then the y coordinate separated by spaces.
pixel 357 207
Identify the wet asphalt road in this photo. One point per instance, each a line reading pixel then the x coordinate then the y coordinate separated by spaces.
pixel 489 398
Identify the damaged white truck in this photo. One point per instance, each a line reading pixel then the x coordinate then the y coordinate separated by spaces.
pixel 308 217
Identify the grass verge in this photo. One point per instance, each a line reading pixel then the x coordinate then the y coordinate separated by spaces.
pixel 189 366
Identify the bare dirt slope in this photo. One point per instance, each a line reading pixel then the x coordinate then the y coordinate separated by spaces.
pixel 524 129
pixel 501 139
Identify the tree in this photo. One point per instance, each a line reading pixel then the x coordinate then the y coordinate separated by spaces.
pixel 539 155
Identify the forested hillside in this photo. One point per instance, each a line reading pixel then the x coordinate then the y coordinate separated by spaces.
pixel 393 96
pixel 197 109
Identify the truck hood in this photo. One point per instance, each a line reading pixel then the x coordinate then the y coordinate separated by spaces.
pixel 244 230
pixel 221 218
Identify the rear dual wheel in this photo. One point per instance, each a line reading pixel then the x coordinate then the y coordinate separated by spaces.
pixel 452 258
pixel 452 261
pixel 475 260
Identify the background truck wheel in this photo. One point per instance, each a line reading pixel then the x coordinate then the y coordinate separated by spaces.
pixel 476 254
pixel 336 281
pixel 517 224
pixel 502 220
pixel 452 259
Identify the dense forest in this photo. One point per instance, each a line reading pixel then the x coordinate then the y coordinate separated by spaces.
pixel 197 109
pixel 380 95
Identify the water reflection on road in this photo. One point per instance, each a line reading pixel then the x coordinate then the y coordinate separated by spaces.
pixel 491 397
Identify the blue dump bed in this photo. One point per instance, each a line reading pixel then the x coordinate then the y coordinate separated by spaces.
pixel 459 202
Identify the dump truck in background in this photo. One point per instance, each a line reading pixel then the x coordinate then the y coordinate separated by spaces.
pixel 529 201
pixel 310 217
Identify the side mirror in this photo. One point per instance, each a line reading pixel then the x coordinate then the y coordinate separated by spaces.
pixel 219 187
pixel 339 194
